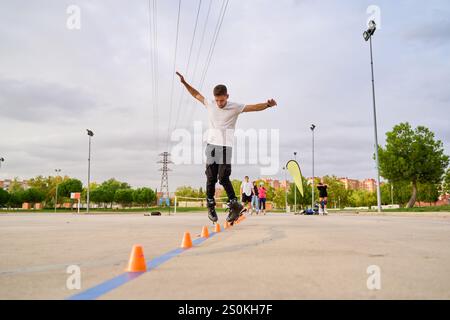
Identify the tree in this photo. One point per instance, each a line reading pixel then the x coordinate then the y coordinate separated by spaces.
pixel 47 185
pixel 362 198
pixel 186 191
pixel 110 187
pixel 16 199
pixel 338 195
pixel 446 182
pixel 386 195
pixel 92 187
pixel 98 196
pixel 15 186
pixel 16 192
pixel 201 193
pixel 4 197
pixel 412 155
pixel 40 183
pixel 124 197
pixel 270 193
pixel 68 186
pixel 279 198
pixel 402 192
pixel 301 201
pixel 237 187
pixel 428 192
pixel 144 196
pixel 33 195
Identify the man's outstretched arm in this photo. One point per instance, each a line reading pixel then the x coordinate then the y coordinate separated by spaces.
pixel 260 106
pixel 197 95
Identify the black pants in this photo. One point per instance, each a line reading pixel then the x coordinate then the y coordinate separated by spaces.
pixel 218 168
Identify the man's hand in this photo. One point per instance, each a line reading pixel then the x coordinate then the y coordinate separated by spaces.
pixel 271 103
pixel 191 90
pixel 181 77
pixel 260 106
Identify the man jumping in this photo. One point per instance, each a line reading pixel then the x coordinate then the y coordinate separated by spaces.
pixel 222 117
pixel 323 197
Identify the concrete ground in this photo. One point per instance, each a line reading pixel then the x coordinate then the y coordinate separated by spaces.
pixel 277 256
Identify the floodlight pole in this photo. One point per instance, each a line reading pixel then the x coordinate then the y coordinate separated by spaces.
pixel 90 134
pixel 295 188
pixel 286 191
pixel 56 196
pixel 375 130
pixel 312 185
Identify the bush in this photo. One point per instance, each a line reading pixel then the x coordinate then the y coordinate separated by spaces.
pixel 33 195
pixel 4 198
pixel 124 197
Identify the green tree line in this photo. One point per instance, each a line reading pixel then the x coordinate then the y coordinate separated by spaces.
pixel 44 189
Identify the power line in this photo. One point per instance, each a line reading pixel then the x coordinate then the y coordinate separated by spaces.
pixel 189 104
pixel 186 104
pixel 188 62
pixel 202 40
pixel 193 36
pixel 211 48
pixel 218 27
pixel 152 70
pixel 173 74
pixel 213 40
pixel 155 56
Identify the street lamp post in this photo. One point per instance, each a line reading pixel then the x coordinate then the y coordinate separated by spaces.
pixel 368 37
pixel 286 191
pixel 295 188
pixel 56 196
pixel 90 134
pixel 312 184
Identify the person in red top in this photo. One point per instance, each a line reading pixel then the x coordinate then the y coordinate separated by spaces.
pixel 262 198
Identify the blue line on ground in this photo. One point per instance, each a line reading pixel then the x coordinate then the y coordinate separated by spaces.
pixel 111 284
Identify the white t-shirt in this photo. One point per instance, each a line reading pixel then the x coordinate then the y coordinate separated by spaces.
pixel 222 122
pixel 247 188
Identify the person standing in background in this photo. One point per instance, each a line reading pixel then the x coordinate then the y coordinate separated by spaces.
pixel 255 199
pixel 262 194
pixel 323 197
pixel 246 192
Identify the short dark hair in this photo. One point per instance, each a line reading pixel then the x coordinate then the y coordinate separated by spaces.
pixel 220 90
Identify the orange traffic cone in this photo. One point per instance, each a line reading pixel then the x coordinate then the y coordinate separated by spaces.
pixel 137 260
pixel 217 228
pixel 187 242
pixel 205 232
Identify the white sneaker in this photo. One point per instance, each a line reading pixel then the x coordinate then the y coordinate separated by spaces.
pixel 320 211
pixel 325 211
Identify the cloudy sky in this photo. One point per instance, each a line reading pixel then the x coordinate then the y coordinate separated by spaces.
pixel 309 55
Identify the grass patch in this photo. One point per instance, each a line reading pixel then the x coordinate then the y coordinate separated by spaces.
pixel 445 208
